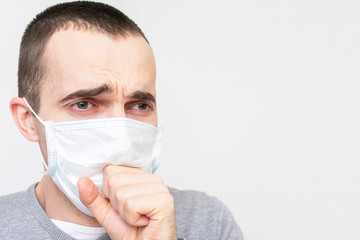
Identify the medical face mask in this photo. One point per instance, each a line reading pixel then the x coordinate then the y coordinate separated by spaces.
pixel 84 148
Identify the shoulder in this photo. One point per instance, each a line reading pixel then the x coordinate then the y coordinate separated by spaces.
pixel 200 216
pixel 196 202
pixel 185 197
pixel 16 220
pixel 12 211
pixel 12 204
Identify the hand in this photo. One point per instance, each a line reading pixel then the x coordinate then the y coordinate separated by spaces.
pixel 138 205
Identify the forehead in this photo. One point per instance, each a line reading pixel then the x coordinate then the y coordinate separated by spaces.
pixel 83 59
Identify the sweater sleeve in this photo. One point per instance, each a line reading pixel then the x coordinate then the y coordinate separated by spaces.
pixel 227 228
pixel 199 216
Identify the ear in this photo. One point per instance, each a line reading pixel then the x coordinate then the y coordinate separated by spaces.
pixel 24 119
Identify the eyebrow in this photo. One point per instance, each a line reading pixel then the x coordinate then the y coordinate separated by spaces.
pixel 140 95
pixel 86 93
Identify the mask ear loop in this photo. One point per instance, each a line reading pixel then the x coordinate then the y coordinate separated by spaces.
pixel 43 123
pixel 33 112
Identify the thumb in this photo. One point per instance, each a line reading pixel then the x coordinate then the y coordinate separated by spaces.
pixel 92 199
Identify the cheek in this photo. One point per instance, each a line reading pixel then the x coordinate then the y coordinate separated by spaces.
pixel 153 120
pixel 149 119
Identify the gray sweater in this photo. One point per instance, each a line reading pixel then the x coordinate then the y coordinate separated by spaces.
pixel 197 215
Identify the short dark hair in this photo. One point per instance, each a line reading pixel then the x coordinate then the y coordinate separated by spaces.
pixel 84 15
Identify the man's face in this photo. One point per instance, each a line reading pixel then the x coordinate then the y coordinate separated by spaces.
pixel 90 75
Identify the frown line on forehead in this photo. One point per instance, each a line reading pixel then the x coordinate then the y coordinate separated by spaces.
pixel 86 93
pixel 106 88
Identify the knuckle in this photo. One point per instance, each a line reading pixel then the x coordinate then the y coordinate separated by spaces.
pixel 128 204
pixel 158 179
pixel 108 170
pixel 142 171
pixel 130 211
pixel 168 199
pixel 164 188
pixel 118 196
pixel 112 180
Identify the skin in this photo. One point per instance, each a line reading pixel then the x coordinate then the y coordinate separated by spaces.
pixel 137 205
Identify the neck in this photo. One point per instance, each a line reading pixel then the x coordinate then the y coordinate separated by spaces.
pixel 57 206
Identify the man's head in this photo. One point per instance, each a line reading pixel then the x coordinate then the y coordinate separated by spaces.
pixel 84 60
pixel 86 16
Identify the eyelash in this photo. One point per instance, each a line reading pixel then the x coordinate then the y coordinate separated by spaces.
pixel 131 106
pixel 73 105
pixel 149 107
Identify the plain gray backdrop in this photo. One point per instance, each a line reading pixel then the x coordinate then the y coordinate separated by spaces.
pixel 259 101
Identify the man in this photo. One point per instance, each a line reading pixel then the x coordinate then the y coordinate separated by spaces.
pixel 86 83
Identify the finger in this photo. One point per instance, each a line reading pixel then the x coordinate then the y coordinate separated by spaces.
pixel 102 210
pixel 92 199
pixel 112 169
pixel 123 179
pixel 156 207
pixel 119 195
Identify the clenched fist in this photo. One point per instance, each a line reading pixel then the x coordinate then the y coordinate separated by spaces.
pixel 138 204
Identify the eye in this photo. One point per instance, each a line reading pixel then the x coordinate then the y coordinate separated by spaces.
pixel 140 106
pixel 83 105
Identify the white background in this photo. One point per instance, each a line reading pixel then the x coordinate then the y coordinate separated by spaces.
pixel 259 101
